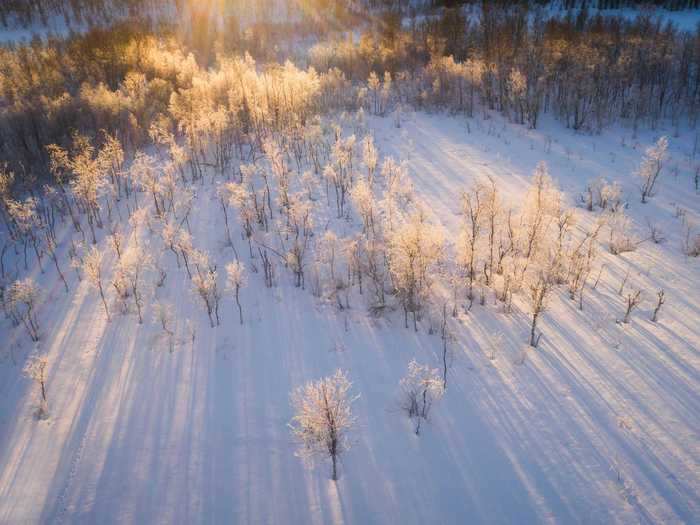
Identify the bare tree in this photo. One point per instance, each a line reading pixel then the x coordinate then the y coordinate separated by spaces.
pixel 660 301
pixel 633 300
pixel 323 417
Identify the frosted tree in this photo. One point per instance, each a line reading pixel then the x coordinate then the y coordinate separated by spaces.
pixel 327 253
pixel 164 317
pixel 225 193
pixel 88 182
pixel 323 418
pixel 280 171
pixel 473 208
pixel 250 209
pixel 204 281
pixel 25 217
pixel 492 214
pixel 517 88
pixel 92 269
pixel 22 297
pixel 621 238
pixel 421 387
pixel 110 158
pixel 51 250
pixel 599 192
pixel 374 265
pixel 581 258
pixel 651 166
pixel 363 199
pixel 540 285
pixel 414 250
pixel 35 369
pixel 369 157
pixel 300 230
pixel 398 191
pixel 542 204
pixel 373 85
pixel 148 177
pixel 340 171
pixel 183 243
pixel 236 279
pixel 129 275
pixel 385 94
pixel 116 240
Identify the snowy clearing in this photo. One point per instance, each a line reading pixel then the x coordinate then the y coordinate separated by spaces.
pixel 598 424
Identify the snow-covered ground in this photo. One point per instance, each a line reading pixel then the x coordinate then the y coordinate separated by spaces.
pixel 599 424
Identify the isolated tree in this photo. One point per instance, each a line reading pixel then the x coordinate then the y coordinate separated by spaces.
pixel 35 369
pixel 651 166
pixel 22 297
pixel 421 387
pixel 92 269
pixel 323 418
pixel 235 280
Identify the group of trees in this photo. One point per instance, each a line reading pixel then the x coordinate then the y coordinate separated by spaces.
pixel 323 418
pixel 587 70
pixel 110 146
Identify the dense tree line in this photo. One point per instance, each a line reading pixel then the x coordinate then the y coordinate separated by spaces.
pixel 587 70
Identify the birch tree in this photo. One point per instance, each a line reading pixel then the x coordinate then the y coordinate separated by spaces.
pixel 236 279
pixel 323 418
pixel 22 299
pixel 651 166
pixel 92 269
pixel 421 387
pixel 35 369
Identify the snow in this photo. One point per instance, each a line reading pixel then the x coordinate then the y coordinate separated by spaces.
pixel 599 424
